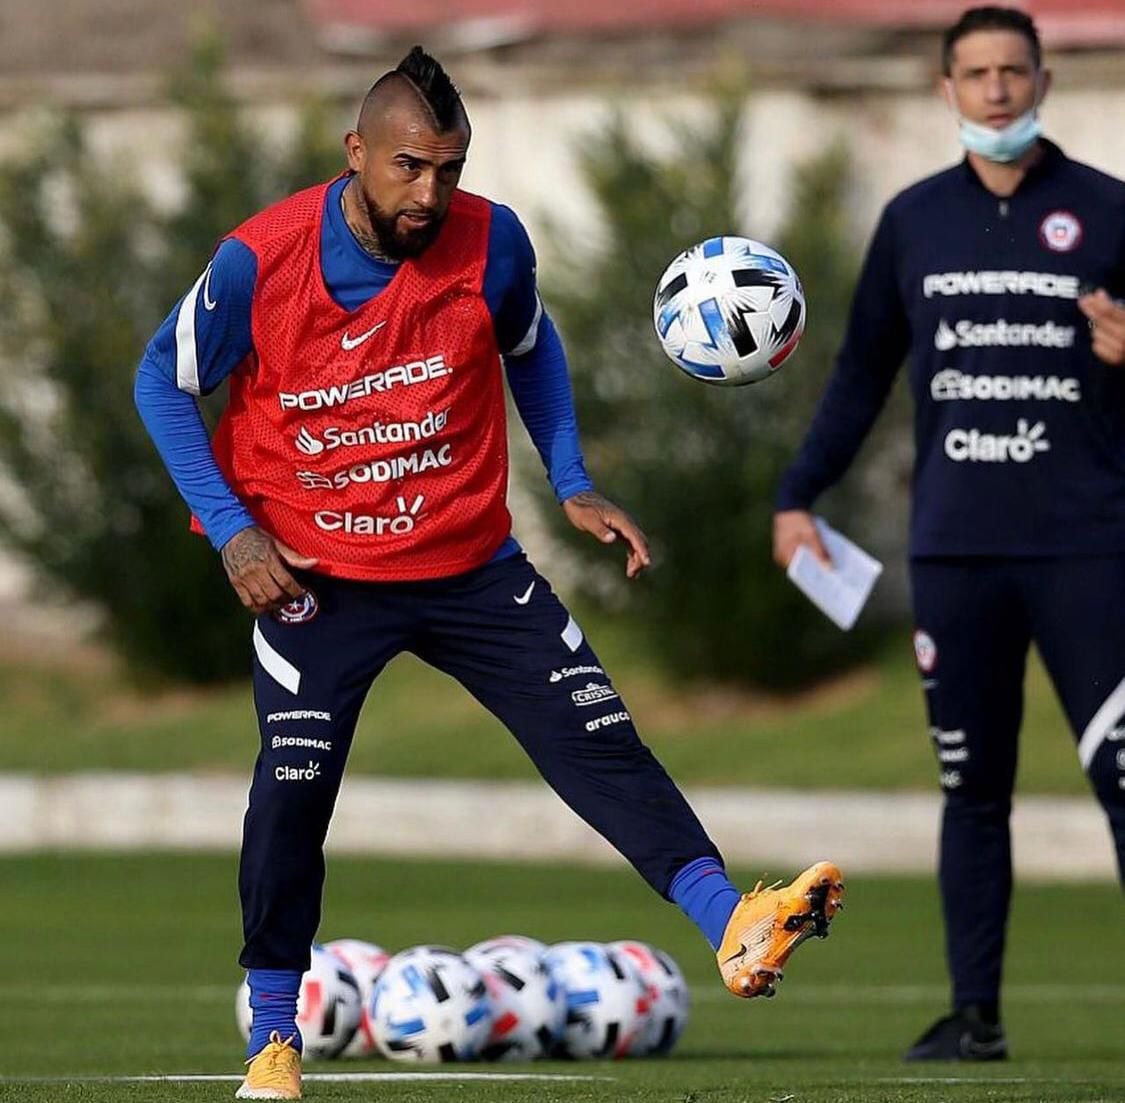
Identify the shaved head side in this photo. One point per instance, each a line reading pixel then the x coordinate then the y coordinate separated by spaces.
pixel 419 83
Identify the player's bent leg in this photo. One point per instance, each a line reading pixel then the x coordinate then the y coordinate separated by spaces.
pixel 274 1072
pixel 770 923
pixel 506 637
pixel 514 646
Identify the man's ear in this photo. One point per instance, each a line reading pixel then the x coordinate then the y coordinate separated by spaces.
pixel 356 150
pixel 947 94
pixel 1046 79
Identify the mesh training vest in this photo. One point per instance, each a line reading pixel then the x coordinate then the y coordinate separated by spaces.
pixel 373 439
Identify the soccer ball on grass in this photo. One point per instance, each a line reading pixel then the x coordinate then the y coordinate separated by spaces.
pixel 366 962
pixel 606 1003
pixel 528 1003
pixel 430 1005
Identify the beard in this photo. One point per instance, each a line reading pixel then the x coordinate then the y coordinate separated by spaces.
pixel 399 240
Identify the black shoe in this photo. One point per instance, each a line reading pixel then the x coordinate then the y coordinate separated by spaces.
pixel 962 1036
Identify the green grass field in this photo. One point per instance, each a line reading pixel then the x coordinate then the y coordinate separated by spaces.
pixel 116 966
pixel 865 731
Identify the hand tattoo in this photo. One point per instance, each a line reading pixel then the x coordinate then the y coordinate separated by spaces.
pixel 590 498
pixel 249 546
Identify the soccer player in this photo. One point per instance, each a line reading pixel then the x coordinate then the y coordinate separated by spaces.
pixel 355 489
pixel 985 275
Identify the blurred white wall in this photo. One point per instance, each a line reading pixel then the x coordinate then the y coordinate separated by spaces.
pixel 524 150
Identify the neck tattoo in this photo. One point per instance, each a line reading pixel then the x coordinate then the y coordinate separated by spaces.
pixel 368 242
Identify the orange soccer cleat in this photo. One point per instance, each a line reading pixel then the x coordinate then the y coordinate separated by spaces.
pixel 769 924
pixel 274 1072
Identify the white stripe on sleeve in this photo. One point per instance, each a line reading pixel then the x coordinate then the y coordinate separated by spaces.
pixel 532 334
pixel 187 363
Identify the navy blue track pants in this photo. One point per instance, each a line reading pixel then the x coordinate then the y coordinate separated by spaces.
pixel 504 635
pixel 975 620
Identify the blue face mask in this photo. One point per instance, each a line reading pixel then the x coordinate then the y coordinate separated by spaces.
pixel 1009 143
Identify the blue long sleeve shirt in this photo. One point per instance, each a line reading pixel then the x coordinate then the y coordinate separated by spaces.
pixel 1019 429
pixel 212 323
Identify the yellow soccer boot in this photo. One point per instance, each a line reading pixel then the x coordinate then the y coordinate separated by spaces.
pixel 274 1072
pixel 767 925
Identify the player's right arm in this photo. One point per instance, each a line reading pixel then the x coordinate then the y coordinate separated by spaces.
pixel 205 337
pixel 876 342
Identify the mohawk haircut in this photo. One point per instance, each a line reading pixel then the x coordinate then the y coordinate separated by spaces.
pixel 990 18
pixel 431 83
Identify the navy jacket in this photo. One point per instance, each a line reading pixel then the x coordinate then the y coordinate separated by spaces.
pixel 1019 428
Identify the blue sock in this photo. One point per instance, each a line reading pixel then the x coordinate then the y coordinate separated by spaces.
pixel 273 1004
pixel 706 897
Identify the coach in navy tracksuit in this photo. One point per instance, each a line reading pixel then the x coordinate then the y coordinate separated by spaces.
pixel 982 275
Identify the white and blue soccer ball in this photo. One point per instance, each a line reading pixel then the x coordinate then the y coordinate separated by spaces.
pixel 366 962
pixel 528 1003
pixel 669 1000
pixel 328 1007
pixel 729 311
pixel 430 1005
pixel 606 1002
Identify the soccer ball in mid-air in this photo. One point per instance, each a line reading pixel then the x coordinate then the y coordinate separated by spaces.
pixel 606 1003
pixel 366 962
pixel 430 1005
pixel 729 310
pixel 528 1003
pixel 668 997
pixel 328 1007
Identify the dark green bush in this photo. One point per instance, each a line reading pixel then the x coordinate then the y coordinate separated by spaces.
pixel 88 270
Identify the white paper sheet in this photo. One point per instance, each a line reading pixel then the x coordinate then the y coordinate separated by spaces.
pixel 839 591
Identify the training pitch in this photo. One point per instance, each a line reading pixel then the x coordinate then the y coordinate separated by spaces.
pixel 118 983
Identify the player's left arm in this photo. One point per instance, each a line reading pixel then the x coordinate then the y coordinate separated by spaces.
pixel 540 384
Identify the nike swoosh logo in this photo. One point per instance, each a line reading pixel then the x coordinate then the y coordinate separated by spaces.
pixel 525 597
pixel 348 343
pixel 208 302
pixel 736 955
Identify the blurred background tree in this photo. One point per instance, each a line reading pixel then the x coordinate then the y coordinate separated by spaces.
pixel 699 465
pixel 89 267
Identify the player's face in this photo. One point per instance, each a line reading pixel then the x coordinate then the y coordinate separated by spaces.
pixel 993 79
pixel 407 175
